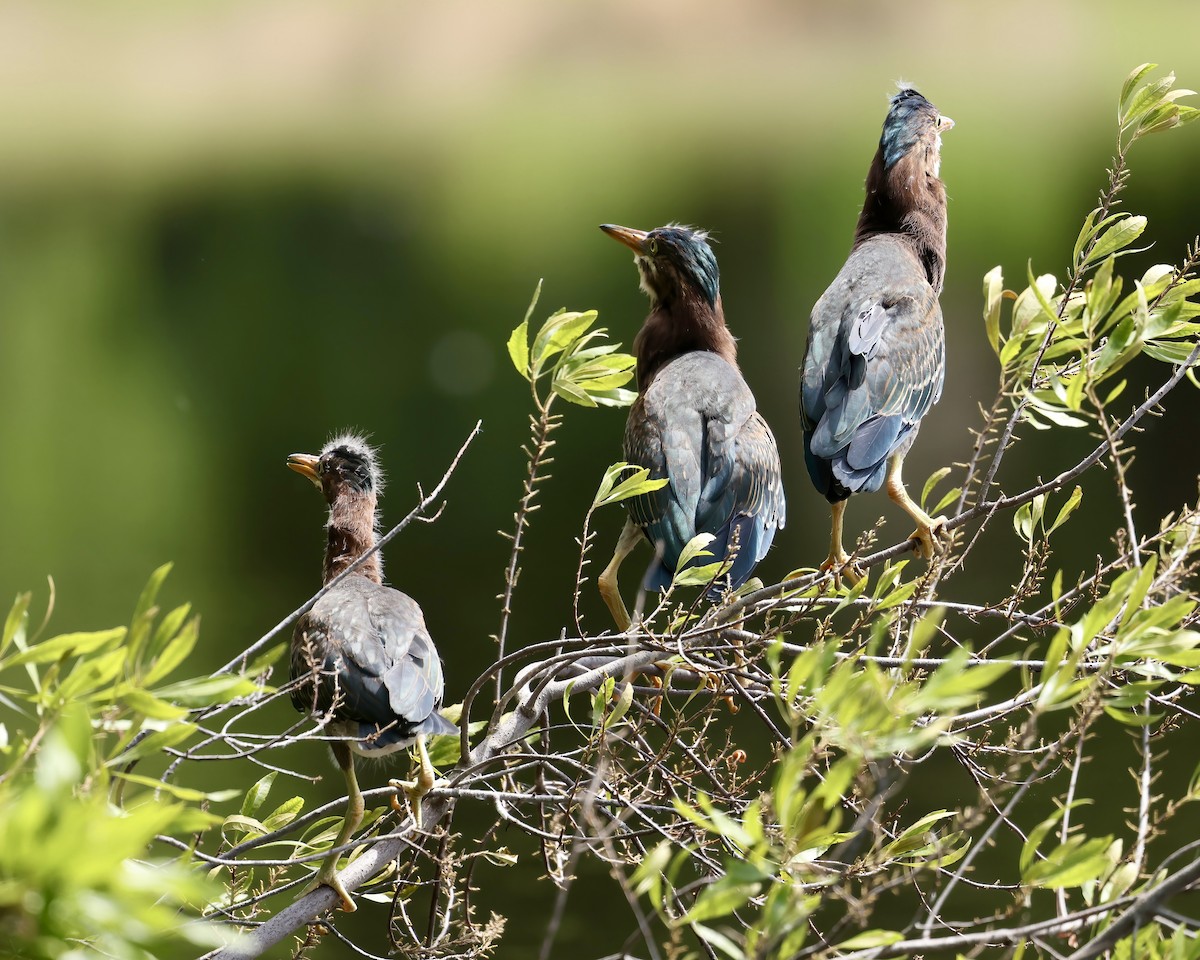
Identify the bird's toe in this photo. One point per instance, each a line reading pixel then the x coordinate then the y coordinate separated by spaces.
pixel 328 878
pixel 929 540
pixel 843 568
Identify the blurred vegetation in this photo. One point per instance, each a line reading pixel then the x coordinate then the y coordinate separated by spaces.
pixel 228 230
pixel 76 820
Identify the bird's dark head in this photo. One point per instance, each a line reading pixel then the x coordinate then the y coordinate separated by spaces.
pixel 905 196
pixel 913 123
pixel 672 260
pixel 345 466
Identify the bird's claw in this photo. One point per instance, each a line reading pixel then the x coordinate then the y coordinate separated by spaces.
pixel 328 878
pixel 929 539
pixel 843 568
pixel 413 791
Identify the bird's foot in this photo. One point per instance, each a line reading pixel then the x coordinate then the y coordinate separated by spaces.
pixel 328 878
pixel 843 568
pixel 413 791
pixel 929 538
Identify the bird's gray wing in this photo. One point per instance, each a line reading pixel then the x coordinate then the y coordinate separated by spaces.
pixel 697 425
pixel 875 363
pixel 364 652
pixel 413 678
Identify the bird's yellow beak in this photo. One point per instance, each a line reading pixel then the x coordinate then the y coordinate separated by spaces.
pixel 944 123
pixel 635 240
pixel 305 464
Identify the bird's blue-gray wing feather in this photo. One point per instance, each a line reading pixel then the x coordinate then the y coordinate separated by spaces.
pixel 874 366
pixel 697 425
pixel 363 652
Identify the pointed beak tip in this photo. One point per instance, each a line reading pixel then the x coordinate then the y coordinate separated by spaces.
pixel 635 240
pixel 305 464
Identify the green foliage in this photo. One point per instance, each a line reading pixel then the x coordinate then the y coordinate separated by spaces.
pixel 1061 345
pixel 613 489
pixel 79 865
pixel 581 369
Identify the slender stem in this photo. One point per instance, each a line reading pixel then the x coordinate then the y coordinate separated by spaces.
pixel 540 446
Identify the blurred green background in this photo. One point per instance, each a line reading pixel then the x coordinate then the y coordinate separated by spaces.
pixel 230 229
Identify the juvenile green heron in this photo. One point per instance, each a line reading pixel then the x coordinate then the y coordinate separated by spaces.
pixel 876 356
pixel 362 656
pixel 694 423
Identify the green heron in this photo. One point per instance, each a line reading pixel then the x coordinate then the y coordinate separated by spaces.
pixel 362 656
pixel 694 423
pixel 876 355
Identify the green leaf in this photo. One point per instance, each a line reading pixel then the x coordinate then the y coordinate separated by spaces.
pixel 1139 590
pixel 267 659
pixel 1130 85
pixel 934 479
pixel 445 750
pixel 171 736
pixel 695 548
pixel 571 393
pixel 518 342
pixel 556 335
pixel 167 630
pixel 14 623
pixel 1028 517
pixel 180 793
pixel 1116 352
pixel 150 706
pixel 993 297
pixel 284 814
pixel 177 649
pixel 1042 289
pixel 244 825
pixel 923 632
pixel 518 348
pixel 1038 834
pixel 600 699
pixel 947 498
pixel 67 644
pixel 871 938
pixel 1011 348
pixel 719 941
pixel 647 878
pixel 1070 865
pixel 729 893
pixel 257 794
pixel 150 592
pixel 1117 237
pixel 1146 99
pixel 1068 508
pixel 205 691
pixel 624 700
pixel 635 485
pixel 619 397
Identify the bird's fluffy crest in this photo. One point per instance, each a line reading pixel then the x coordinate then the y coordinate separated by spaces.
pixel 698 232
pixel 905 91
pixel 355 445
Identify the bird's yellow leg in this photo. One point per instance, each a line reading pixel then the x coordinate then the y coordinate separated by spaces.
pixel 929 529
pixel 838 560
pixel 415 790
pixel 354 813
pixel 607 581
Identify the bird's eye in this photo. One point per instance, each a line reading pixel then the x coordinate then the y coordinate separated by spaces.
pixel 653 247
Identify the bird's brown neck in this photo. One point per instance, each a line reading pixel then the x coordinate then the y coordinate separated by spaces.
pixel 351 534
pixel 683 324
pixel 909 202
